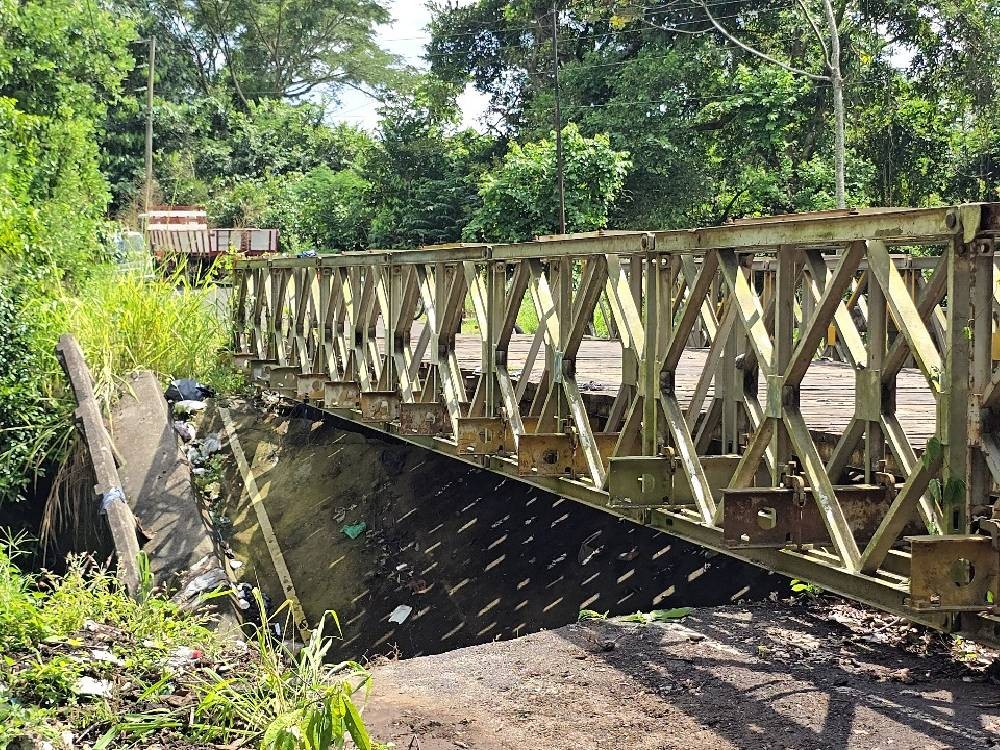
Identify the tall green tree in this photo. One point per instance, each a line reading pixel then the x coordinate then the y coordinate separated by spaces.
pixel 520 199
pixel 424 170
pixel 280 49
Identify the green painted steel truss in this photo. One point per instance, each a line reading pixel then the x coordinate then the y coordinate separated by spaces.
pixel 734 465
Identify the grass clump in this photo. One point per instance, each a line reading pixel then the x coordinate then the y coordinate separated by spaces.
pixel 124 321
pixel 82 663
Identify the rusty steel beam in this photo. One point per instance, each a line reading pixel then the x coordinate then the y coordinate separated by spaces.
pixel 735 467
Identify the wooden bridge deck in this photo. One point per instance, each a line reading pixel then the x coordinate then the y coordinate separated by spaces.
pixel 827 398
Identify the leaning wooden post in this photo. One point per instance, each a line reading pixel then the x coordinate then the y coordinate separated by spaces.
pixel 108 487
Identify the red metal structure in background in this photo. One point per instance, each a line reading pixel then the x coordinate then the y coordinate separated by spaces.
pixel 173 231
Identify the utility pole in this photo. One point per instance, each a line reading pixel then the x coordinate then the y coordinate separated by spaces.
pixel 148 193
pixel 558 113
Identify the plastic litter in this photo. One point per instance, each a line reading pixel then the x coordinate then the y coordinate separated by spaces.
pixel 400 613
pixel 354 530
pixel 189 406
pixel 186 389
pixel 100 654
pixel 208 581
pixel 185 430
pixel 113 495
pixel 182 656
pixel 89 686
pixel 211 444
pixel 235 564
pixel 247 601
pixel 308 254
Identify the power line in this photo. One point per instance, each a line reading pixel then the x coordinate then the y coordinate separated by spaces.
pixel 610 32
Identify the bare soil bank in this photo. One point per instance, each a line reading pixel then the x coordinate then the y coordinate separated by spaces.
pixel 476 556
pixel 753 677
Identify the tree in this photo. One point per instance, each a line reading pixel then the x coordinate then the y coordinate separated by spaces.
pixel 519 197
pixel 281 49
pixel 829 43
pixel 424 170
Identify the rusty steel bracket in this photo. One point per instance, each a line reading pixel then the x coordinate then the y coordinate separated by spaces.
pixel 763 517
pixel 429 418
pixel 260 370
pixel 953 573
pixel 546 454
pixel 484 436
pixel 343 394
pixel 380 406
pixel 242 360
pixel 310 386
pixel 640 481
pixel 283 379
pixel 775 517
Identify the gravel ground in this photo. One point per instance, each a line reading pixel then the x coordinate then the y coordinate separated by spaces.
pixel 827 675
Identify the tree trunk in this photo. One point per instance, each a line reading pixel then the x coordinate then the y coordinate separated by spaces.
pixel 837 84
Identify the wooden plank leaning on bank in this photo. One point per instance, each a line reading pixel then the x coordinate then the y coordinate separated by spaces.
pixel 266 529
pixel 108 486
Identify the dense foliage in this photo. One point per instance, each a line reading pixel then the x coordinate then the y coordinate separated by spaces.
pixel 518 202
pixel 675 114
pixel 716 131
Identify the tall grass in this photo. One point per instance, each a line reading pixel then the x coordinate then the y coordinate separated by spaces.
pixel 171 326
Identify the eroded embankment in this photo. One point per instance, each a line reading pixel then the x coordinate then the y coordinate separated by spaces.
pixel 478 557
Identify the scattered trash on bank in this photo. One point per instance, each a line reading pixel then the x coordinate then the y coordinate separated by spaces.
pixel 354 530
pixel 400 613
pixel 91 687
pixel 189 407
pixel 186 389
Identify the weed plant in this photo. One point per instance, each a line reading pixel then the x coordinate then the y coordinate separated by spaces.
pixel 168 678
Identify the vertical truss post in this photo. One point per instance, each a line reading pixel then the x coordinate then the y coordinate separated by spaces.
pixel 954 397
pixel 393 342
pixel 324 361
pixel 649 387
pixel 784 324
pixel 496 278
pixel 873 396
pixel 564 312
pixel 980 422
pixel 239 309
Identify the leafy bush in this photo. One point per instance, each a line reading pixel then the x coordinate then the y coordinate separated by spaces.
pixel 23 413
pixel 320 210
pixel 520 198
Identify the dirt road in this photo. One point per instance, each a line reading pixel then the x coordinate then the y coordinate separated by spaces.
pixel 729 677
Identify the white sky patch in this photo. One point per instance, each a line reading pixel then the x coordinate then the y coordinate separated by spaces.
pixel 407 36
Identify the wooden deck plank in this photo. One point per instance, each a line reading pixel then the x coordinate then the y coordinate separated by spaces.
pixel 827 393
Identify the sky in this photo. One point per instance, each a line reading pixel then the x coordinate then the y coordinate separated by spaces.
pixel 405 36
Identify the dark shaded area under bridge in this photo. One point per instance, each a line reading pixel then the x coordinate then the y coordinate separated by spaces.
pixel 478 556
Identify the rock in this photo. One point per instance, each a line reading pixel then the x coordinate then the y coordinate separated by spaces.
pixel 89 686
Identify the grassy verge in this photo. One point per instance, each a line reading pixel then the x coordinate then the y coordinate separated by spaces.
pixel 124 321
pixel 84 665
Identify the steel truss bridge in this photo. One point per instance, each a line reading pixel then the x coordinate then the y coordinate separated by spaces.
pixel 813 393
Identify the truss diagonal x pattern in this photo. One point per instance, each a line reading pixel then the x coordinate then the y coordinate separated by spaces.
pixel 893 507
